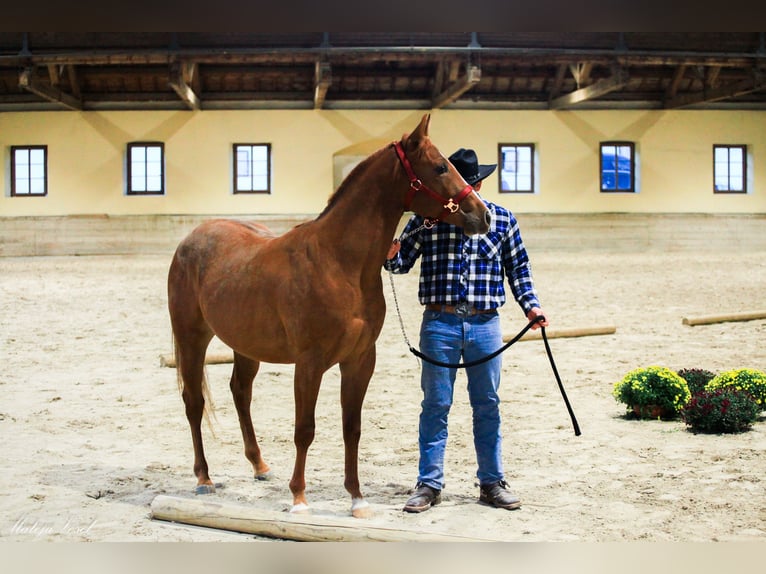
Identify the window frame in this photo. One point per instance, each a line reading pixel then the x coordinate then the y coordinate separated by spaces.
pixel 501 147
pixel 728 148
pixel 235 169
pixel 129 160
pixel 633 166
pixel 29 148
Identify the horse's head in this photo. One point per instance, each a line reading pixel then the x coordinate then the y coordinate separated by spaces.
pixel 437 190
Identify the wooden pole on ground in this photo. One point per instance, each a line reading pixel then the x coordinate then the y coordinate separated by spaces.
pixel 273 524
pixel 562 333
pixel 707 319
pixel 210 359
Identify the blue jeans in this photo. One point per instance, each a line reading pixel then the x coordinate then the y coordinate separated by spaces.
pixel 448 338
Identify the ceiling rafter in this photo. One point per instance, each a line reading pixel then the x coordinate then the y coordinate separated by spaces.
pixel 322 83
pixel 181 74
pixel 471 77
pixel 350 70
pixel 29 82
pixel 618 79
pixel 708 95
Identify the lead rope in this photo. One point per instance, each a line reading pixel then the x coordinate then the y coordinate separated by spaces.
pixel 520 334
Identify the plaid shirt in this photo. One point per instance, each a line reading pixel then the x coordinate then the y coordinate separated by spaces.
pixel 456 267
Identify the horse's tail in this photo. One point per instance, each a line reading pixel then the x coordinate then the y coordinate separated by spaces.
pixel 209 404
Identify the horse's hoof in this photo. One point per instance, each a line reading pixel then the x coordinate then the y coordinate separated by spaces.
pixel 264 476
pixel 301 508
pixel 205 489
pixel 360 508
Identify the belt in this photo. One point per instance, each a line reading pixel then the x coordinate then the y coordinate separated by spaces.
pixel 461 309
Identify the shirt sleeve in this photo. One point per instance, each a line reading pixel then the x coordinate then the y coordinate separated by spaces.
pixel 518 269
pixel 409 251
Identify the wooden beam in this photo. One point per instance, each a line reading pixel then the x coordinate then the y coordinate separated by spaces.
pixel 468 81
pixel 273 524
pixel 713 95
pixel 711 76
pixel 30 83
pixel 581 72
pixel 322 83
pixel 441 67
pixel 708 319
pixel 54 75
pixel 595 90
pixel 558 81
pixel 565 333
pixel 672 89
pixel 74 81
pixel 169 360
pixel 180 72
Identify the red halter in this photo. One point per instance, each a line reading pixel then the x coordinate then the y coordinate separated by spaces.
pixel 451 205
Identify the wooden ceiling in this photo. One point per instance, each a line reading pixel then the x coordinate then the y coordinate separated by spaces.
pixel 382 70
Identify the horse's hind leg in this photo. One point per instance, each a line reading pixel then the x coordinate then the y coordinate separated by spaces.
pixel 190 362
pixel 241 385
pixel 191 336
pixel 355 378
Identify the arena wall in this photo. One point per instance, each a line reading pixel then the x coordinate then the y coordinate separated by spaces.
pixel 86 157
pixel 87 210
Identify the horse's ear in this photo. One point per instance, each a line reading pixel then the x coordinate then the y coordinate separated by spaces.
pixel 420 132
pixel 424 123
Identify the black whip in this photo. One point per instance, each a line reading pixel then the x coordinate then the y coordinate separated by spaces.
pixel 537 319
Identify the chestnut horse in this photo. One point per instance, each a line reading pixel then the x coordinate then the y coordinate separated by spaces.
pixel 312 297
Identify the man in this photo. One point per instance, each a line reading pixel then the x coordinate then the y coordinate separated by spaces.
pixel 462 288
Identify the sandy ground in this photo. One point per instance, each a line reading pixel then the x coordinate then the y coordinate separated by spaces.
pixel 93 427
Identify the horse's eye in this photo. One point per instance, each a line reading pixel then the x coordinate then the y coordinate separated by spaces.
pixel 442 169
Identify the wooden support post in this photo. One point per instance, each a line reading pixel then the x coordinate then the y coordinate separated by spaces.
pixel 561 333
pixel 210 359
pixel 273 524
pixel 707 319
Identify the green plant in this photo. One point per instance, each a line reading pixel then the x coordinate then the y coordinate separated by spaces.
pixel 723 410
pixel 652 386
pixel 696 379
pixel 751 381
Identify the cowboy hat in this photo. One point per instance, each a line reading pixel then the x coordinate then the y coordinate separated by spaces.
pixel 467 164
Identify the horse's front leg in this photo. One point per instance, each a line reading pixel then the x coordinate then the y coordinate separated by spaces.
pixel 241 385
pixel 355 377
pixel 306 389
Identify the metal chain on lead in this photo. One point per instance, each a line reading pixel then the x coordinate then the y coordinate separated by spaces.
pixel 398 311
pixel 427 224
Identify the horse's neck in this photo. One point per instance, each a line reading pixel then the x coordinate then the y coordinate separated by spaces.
pixel 362 222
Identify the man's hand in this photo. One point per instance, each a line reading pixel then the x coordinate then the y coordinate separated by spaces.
pixel 536 312
pixel 394 249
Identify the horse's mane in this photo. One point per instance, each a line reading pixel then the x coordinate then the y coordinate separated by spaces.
pixel 351 179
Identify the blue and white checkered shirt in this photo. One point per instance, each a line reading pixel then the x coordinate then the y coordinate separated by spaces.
pixel 455 267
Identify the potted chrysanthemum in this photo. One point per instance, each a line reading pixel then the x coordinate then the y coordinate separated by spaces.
pixel 652 392
pixel 751 381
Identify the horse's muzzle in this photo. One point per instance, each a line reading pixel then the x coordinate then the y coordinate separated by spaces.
pixel 476 224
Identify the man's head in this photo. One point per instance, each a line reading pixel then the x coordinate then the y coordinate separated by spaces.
pixel 467 164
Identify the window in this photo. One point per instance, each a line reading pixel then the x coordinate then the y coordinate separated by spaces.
pixel 29 171
pixel 729 169
pixel 252 168
pixel 146 168
pixel 618 166
pixel 517 168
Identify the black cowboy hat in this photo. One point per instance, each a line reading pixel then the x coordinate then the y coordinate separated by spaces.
pixel 467 164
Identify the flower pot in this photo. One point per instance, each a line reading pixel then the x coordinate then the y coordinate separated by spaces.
pixel 652 412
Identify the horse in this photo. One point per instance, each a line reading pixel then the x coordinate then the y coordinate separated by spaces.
pixel 312 297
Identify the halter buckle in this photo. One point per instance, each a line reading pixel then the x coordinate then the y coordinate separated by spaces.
pixel 451 206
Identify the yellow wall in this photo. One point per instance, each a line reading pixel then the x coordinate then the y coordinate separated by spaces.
pixel 86 157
